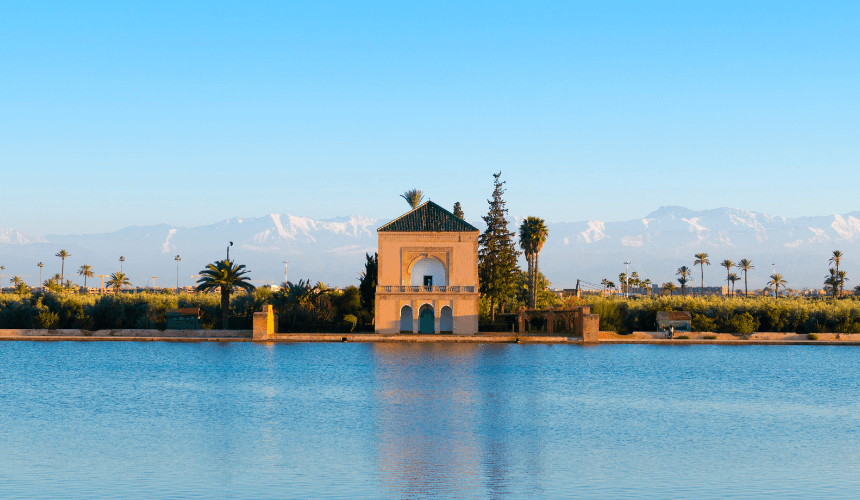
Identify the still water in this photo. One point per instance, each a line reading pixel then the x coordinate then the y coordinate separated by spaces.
pixel 236 420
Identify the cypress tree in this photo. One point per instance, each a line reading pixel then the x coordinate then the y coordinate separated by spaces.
pixel 458 211
pixel 497 256
pixel 367 285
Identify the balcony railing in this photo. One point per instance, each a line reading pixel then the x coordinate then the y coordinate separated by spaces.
pixel 425 289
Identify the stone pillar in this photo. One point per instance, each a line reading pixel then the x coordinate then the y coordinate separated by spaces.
pixel 550 320
pixel 521 318
pixel 416 323
pixel 264 323
pixel 590 328
pixel 437 317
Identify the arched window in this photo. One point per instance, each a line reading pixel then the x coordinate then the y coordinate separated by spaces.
pixel 428 270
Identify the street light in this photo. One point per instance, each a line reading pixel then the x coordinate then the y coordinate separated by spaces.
pixel 177 259
pixel 228 250
pixel 627 280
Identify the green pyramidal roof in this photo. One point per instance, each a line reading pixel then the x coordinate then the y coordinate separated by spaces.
pixel 430 218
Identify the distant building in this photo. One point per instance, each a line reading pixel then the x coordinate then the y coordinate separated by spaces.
pixel 428 273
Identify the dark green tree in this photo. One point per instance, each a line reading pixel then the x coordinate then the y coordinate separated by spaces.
pixel 367 285
pixel 458 211
pixel 497 255
pixel 226 275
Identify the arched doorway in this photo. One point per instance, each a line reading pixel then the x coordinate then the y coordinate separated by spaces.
pixel 426 319
pixel 406 319
pixel 446 320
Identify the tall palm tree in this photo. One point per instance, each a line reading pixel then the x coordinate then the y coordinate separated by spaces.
pixel 733 277
pixel 40 265
pixel 702 261
pixel 413 197
pixel 745 265
pixel 2 268
pixel 533 233
pixel 87 272
pixel 777 280
pixel 226 275
pixel 121 260
pixel 63 254
pixel 728 264
pixel 683 271
pixel 118 280
pixel 836 258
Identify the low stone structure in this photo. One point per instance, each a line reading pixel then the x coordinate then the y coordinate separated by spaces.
pixel 265 323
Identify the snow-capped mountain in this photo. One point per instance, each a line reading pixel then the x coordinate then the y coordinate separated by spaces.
pixel 333 250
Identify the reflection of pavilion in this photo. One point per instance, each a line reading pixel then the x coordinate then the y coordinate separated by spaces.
pixel 428 273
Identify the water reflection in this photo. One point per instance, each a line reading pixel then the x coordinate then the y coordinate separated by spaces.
pixel 450 415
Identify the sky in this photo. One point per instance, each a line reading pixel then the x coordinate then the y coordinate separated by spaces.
pixel 115 114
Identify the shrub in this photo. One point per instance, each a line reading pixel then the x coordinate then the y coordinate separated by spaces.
pixel 710 337
pixel 351 320
pixel 47 320
pixel 683 337
pixel 702 323
pixel 743 324
pixel 812 336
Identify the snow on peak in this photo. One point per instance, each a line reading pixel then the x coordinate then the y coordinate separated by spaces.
pixel 13 237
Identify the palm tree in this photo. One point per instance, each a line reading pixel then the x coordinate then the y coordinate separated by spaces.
pixel 647 285
pixel 777 281
pixel 533 233
pixel 40 271
pixel 702 261
pixel 87 272
pixel 842 277
pixel 16 280
pixel 831 282
pixel 178 259
pixel 118 280
pixel 63 254
pixel 413 197
pixel 836 258
pixel 121 260
pixel 2 268
pixel 684 271
pixel 728 264
pixel 669 287
pixel 745 265
pixel 733 277
pixel 226 275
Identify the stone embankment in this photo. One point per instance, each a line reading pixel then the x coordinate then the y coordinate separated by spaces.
pixel 164 335
pixel 657 338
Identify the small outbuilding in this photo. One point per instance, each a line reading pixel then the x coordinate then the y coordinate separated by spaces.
pixel 681 320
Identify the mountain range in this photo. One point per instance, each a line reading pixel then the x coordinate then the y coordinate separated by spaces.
pixel 333 250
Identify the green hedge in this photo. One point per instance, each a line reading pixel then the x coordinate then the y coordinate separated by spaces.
pixel 732 315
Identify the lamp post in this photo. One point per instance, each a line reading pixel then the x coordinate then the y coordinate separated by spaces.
pixel 627 280
pixel 285 272
pixel 228 250
pixel 178 259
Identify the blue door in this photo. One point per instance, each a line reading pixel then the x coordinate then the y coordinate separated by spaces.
pixel 426 320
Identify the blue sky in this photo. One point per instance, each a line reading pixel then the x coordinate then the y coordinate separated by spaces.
pixel 187 113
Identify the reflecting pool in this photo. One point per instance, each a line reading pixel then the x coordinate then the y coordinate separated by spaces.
pixel 145 420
